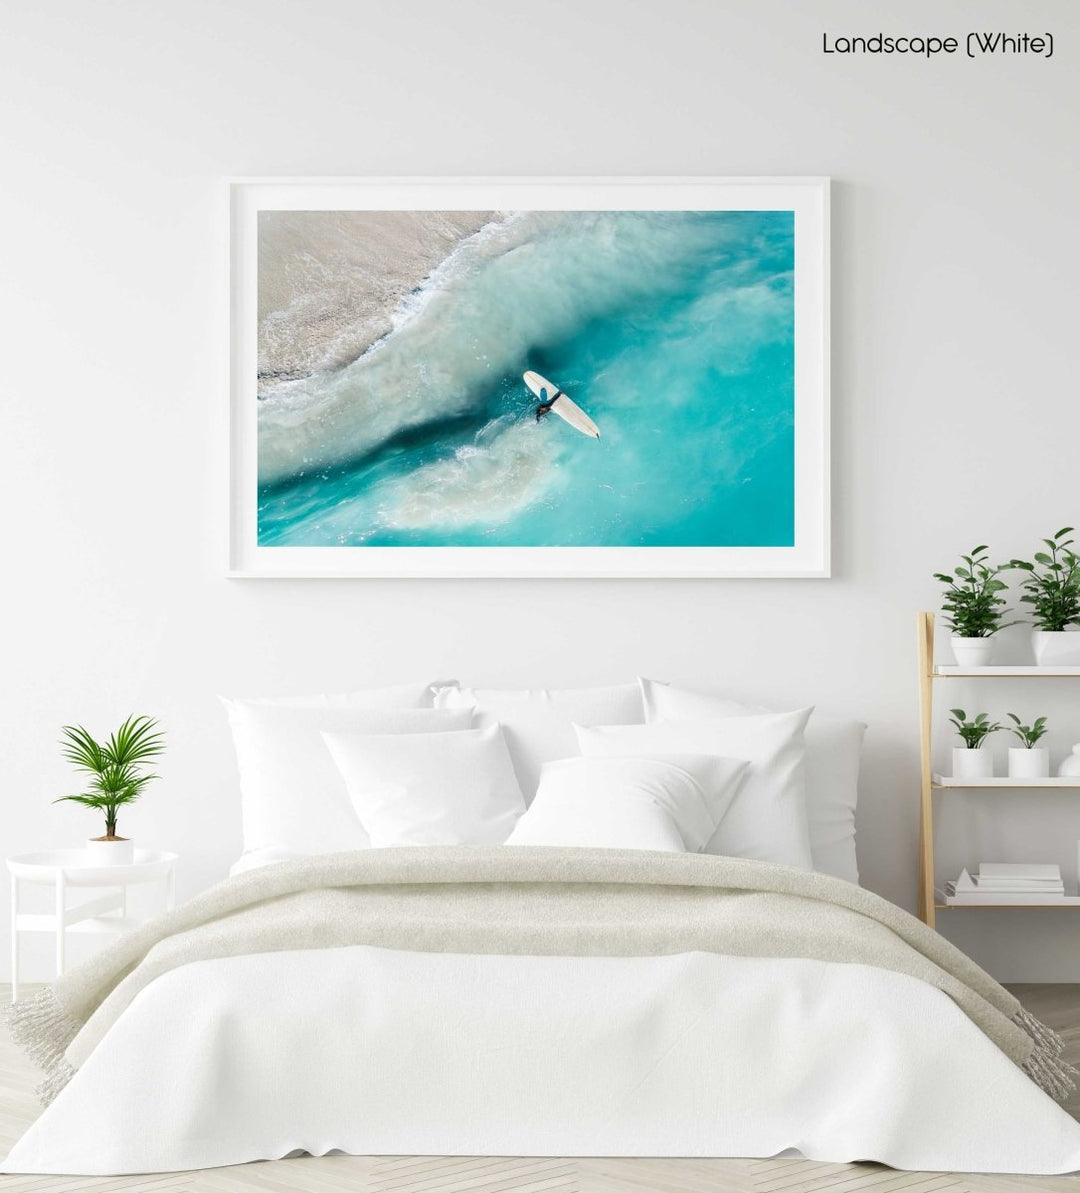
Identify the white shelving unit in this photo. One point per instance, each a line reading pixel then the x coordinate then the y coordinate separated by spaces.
pixel 929 674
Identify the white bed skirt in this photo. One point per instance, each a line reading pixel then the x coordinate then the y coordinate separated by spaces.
pixel 380 1052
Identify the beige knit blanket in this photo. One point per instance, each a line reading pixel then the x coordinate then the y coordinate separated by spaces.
pixel 526 901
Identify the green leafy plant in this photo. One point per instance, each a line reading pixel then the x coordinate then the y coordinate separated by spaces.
pixel 1028 734
pixel 1052 586
pixel 115 767
pixel 974 732
pixel 973 603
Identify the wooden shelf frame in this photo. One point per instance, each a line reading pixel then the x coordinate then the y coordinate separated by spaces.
pixel 930 782
pixel 927 905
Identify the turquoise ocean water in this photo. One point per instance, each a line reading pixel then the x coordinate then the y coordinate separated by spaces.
pixel 673 330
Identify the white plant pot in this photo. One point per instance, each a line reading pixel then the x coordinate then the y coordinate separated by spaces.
pixel 120 852
pixel 972 652
pixel 1056 648
pixel 1029 764
pixel 1070 765
pixel 972 764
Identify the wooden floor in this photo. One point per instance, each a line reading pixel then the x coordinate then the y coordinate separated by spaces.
pixel 1058 1006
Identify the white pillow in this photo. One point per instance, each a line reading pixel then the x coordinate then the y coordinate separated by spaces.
pixel 405 695
pixel 833 752
pixel 292 796
pixel 539 722
pixel 767 818
pixel 672 803
pixel 255 859
pixel 430 788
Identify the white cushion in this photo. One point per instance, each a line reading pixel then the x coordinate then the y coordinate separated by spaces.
pixel 406 695
pixel 767 818
pixel 430 788
pixel 672 803
pixel 539 722
pixel 255 859
pixel 292 796
pixel 833 753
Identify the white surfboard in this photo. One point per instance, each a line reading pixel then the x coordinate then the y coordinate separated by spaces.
pixel 570 411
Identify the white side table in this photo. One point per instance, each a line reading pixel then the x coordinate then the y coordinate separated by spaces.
pixel 63 869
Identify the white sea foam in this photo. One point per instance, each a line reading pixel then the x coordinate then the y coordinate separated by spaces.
pixel 482 484
pixel 509 467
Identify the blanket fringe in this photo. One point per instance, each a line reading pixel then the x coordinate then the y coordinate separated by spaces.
pixel 43 1030
pixel 1046 1065
pixel 48 1089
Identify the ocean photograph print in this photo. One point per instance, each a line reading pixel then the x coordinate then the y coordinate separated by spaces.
pixel 529 377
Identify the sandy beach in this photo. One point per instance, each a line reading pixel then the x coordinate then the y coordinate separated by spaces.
pixel 330 281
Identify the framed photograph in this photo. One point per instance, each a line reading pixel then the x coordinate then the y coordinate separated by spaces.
pixel 529 377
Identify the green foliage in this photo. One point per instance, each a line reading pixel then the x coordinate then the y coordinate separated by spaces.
pixel 975 732
pixel 1052 585
pixel 115 767
pixel 1028 734
pixel 973 603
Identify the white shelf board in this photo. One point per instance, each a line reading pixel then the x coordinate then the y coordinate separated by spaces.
pixel 942 670
pixel 1064 901
pixel 1001 781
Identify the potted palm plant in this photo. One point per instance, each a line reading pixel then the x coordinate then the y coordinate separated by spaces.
pixel 970 761
pixel 973 606
pixel 117 778
pixel 1029 760
pixel 1052 589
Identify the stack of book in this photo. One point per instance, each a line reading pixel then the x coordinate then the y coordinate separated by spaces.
pixel 1007 882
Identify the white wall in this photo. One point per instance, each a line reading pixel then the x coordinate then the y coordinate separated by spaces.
pixel 956 412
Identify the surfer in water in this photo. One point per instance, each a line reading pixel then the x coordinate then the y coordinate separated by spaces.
pixel 545 405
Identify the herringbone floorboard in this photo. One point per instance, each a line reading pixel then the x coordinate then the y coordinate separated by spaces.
pixel 1057 1005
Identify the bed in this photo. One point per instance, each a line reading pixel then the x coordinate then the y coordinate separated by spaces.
pixel 607 966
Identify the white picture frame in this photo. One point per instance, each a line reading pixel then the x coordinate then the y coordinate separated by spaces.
pixel 806 197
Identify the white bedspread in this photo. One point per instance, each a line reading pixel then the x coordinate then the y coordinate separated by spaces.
pixel 416 1053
